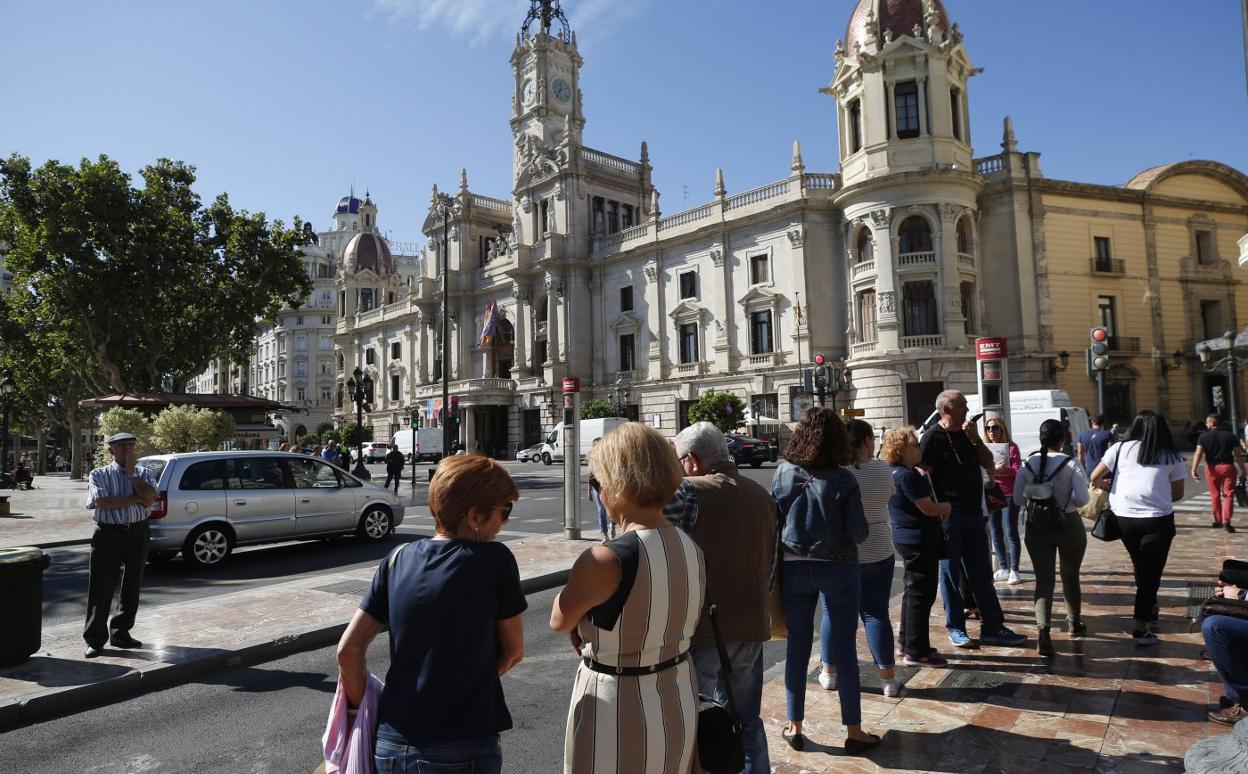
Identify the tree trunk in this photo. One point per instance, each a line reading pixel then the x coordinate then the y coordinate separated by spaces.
pixel 41 452
pixel 75 446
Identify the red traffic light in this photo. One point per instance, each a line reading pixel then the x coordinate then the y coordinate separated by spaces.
pixel 819 359
pixel 1100 334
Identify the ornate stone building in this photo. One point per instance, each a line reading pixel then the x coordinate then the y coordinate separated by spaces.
pixel 899 260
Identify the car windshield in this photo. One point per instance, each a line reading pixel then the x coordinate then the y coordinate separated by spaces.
pixel 154 465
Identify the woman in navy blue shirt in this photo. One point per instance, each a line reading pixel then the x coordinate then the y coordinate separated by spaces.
pixel 452 604
pixel 917 535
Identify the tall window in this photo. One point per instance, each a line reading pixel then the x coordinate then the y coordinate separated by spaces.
pixel 370 357
pixel 597 214
pixel 396 350
pixel 688 336
pixel 855 126
pixel 968 306
pixel 626 298
pixel 955 112
pixel 865 248
pixel 1211 319
pixel 760 333
pixel 326 394
pixel 394 386
pixel 301 394
pixel 866 315
pixel 689 285
pixel 301 368
pixel 627 216
pixel 1204 247
pixel 301 343
pixel 964 236
pixel 1104 256
pixel 918 309
pixel 915 235
pixel 613 217
pixel 1107 311
pixel 626 352
pixel 906 106
pixel 759 274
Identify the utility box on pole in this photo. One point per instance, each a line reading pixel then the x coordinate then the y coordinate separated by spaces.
pixel 992 373
pixel 571 458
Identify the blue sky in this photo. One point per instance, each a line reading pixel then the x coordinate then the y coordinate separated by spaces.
pixel 285 104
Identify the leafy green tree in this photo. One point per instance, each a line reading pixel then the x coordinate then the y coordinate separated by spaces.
pixel 725 410
pixel 346 435
pixel 597 409
pixel 309 439
pixel 146 284
pixel 124 420
pixel 186 428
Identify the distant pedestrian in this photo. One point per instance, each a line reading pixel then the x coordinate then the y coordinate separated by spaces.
pixel 1220 451
pixel 1003 523
pixel 635 698
pixel 331 453
pixel 823 525
pixel 1147 479
pixel 604 523
pixel 1063 547
pixel 121 494
pixel 1093 442
pixel 394 467
pixel 733 520
pixel 453 606
pixel 60 463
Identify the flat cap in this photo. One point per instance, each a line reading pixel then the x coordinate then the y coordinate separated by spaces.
pixel 120 438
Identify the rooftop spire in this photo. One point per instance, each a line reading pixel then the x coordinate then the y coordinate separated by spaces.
pixel 797 166
pixel 1009 143
pixel 545 13
pixel 719 183
pixel 463 180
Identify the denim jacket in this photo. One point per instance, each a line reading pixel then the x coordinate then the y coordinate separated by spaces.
pixel 823 512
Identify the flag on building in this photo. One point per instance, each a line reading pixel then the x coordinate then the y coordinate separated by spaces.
pixel 490 326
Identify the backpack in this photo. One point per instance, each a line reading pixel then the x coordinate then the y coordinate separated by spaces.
pixel 1041 513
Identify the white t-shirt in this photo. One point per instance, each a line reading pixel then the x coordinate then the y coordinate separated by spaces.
pixel 1140 491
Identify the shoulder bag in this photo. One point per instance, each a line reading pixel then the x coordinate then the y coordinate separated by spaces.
pixel 721 739
pixel 1106 526
pixel 1241 493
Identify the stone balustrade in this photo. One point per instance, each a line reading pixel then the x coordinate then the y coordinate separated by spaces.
pixel 922 342
pixel 863 269
pixel 990 164
pixel 610 162
pixel 917 259
pixel 966 259
pixel 862 348
pixel 756 195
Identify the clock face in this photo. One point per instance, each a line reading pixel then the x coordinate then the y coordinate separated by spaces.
pixel 528 91
pixel 561 90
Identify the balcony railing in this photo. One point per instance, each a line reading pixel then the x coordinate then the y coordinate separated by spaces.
pixel 1108 266
pixel 966 259
pixel 922 342
pixel 761 360
pixel 1124 343
pixel 990 164
pixel 917 259
pixel 466 387
pixel 863 269
pixel 863 348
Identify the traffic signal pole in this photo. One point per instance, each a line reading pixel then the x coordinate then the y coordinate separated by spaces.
pixel 1100 393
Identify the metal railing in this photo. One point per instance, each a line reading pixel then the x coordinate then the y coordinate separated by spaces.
pixel 1108 265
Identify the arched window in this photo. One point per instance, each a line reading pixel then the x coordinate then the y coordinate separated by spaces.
pixel 964 237
pixel 864 249
pixel 915 236
pixel 855 126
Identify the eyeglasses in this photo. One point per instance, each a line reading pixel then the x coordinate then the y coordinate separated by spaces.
pixel 997 428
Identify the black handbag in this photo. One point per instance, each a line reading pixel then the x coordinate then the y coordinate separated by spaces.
pixel 1241 493
pixel 994 498
pixel 721 739
pixel 1106 527
pixel 1235 608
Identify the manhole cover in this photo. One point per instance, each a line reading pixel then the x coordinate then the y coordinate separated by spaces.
pixel 352 588
pixel 974 679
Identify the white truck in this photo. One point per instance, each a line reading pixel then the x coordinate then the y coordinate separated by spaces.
pixel 423 442
pixel 591 430
pixel 1028 409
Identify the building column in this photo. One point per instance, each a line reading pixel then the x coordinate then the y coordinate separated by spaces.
pixel 520 320
pixel 889 108
pixel 552 322
pixel 923 106
pixel 721 305
pixel 953 316
pixel 887 294
pixel 469 429
pixel 424 337
pixel 655 321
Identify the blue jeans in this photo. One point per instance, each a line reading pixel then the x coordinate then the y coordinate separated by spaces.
pixel 1226 639
pixel 968 548
pixel 395 755
pixel 877 588
pixel 1004 526
pixel 603 521
pixel 746 660
pixel 800 587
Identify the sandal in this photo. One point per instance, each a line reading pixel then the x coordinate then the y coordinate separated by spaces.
pixel 796 741
pixel 854 746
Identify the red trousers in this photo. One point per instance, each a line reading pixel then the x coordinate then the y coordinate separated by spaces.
pixel 1221 481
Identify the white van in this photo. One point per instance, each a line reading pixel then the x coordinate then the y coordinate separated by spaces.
pixel 424 442
pixel 591 430
pixel 1028 409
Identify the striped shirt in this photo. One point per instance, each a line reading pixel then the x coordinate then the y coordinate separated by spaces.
pixel 112 481
pixel 875 481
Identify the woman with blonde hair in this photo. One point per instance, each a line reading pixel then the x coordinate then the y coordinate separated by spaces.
pixel 630 608
pixel 452 604
pixel 1003 523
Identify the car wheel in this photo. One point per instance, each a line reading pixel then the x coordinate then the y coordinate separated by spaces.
pixel 208 545
pixel 546 458
pixel 375 524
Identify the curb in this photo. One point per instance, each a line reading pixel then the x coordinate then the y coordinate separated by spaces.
pixel 17 714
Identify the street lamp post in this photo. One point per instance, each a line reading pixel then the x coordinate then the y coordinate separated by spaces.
pixel 7 388
pixel 619 397
pixel 361 386
pixel 411 427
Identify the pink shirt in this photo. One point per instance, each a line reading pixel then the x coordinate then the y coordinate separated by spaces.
pixel 1005 479
pixel 348 742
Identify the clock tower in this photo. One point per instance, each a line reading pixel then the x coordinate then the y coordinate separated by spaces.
pixel 546 110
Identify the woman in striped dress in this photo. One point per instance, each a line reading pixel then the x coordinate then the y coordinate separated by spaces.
pixel 630 608
pixel 876 561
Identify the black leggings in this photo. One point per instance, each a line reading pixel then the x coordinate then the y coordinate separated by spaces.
pixel 1148 542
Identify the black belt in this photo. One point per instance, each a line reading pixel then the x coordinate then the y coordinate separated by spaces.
pixel 623 671
pixel 121 526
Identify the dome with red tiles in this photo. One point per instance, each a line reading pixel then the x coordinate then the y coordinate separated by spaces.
pixel 898 16
pixel 367 251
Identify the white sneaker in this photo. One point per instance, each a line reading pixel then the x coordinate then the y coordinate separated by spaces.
pixel 891 687
pixel 827 680
pixel 1014 580
pixel 1000 575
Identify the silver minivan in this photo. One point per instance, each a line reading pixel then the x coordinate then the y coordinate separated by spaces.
pixel 209 502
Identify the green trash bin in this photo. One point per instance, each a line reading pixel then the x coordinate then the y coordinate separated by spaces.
pixel 21 604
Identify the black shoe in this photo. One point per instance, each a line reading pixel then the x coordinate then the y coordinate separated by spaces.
pixel 1215 525
pixel 1078 628
pixel 1229 528
pixel 124 641
pixel 93 651
pixel 855 746
pixel 796 741
pixel 1044 643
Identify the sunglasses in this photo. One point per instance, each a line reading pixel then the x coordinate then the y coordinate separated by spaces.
pixel 995 427
pixel 506 509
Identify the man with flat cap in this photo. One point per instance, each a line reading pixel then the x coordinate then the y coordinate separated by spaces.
pixel 121 495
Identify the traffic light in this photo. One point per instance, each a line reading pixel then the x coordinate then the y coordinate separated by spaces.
pixel 821 375
pixel 1098 350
